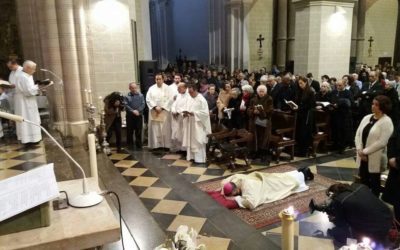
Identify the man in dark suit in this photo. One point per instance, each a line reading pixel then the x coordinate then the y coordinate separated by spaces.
pixel 313 83
pixel 368 92
pixel 273 89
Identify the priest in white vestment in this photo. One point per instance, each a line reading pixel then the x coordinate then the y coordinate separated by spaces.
pixel 256 188
pixel 196 126
pixel 25 104
pixel 177 108
pixel 158 99
pixel 15 69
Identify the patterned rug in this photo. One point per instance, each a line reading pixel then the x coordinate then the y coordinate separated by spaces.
pixel 267 214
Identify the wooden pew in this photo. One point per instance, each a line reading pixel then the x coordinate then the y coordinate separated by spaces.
pixel 321 135
pixel 283 133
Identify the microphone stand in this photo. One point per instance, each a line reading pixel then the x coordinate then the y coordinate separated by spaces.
pixel 67 140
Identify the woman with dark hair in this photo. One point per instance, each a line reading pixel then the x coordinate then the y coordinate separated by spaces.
pixel 371 139
pixel 113 105
pixel 305 124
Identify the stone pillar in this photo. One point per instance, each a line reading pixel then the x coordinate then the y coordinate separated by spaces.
pixel 323 37
pixel 281 34
pixel 362 8
pixel 353 51
pixel 217 30
pixel 77 125
pixel 47 23
pixel 291 31
pixel 396 58
pixel 145 20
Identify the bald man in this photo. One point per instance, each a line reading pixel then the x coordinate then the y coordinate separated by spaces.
pixel 135 105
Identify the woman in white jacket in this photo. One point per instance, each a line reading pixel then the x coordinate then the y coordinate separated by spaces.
pixel 371 139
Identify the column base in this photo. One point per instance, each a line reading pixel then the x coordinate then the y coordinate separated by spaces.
pixel 77 129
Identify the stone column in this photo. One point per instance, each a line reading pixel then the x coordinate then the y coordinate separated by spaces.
pixel 281 34
pixel 48 30
pixel 362 8
pixel 396 58
pixel 217 32
pixel 291 31
pixel 70 68
pixel 353 51
pixel 323 37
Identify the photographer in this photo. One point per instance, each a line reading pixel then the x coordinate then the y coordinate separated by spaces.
pixel 113 105
pixel 356 213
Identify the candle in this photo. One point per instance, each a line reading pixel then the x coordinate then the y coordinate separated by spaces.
pixel 287 218
pixel 90 96
pixel 86 96
pixel 100 101
pixel 93 156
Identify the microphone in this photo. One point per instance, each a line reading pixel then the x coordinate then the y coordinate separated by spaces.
pixel 54 74
pixel 86 199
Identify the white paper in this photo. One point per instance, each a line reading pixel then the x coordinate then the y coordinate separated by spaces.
pixel 24 191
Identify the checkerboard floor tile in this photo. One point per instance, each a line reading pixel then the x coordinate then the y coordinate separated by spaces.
pixel 170 210
pixel 16 158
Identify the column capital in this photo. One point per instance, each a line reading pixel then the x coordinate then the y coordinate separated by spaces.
pixel 299 4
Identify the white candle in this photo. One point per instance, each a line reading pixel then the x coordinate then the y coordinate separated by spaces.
pixel 93 156
pixel 86 96
pixel 100 101
pixel 90 96
pixel 287 217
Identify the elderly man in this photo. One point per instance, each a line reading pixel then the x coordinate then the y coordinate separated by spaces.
pixel 196 126
pixel 134 115
pixel 368 92
pixel 25 104
pixel 158 100
pixel 177 109
pixel 273 89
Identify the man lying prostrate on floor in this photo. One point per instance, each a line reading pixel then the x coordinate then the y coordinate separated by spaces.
pixel 254 189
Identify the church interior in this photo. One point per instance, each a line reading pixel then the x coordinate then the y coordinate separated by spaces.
pixel 199 124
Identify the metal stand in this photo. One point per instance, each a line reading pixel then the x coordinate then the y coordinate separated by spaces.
pixel 91 110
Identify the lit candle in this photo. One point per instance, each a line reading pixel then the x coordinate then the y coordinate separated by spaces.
pixel 100 101
pixel 287 218
pixel 93 156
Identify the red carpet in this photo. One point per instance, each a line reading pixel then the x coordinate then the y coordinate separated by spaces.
pixel 267 214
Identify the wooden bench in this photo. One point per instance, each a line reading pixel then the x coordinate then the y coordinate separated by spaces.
pixel 225 146
pixel 322 121
pixel 283 133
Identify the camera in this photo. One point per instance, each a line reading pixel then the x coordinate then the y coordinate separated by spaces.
pixel 325 207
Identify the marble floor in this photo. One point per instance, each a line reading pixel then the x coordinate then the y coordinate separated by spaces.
pixel 158 193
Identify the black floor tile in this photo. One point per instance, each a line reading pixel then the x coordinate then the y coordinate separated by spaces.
pixel 148 173
pixel 163 220
pixel 121 169
pixel 160 183
pixel 173 196
pixel 27 156
pixel 210 230
pixel 27 166
pixel 188 210
pixel 138 190
pixel 129 178
pixel 177 169
pixel 191 177
pixel 149 203
pixel 130 158
pixel 330 172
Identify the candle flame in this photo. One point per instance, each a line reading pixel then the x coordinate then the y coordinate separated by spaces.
pixel 366 241
pixel 290 210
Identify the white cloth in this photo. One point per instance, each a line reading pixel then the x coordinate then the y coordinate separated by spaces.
pixel 377 140
pixel 259 188
pixel 25 105
pixel 11 92
pixel 159 132
pixel 196 129
pixel 178 106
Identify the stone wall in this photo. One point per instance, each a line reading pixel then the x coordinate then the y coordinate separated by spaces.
pixel 260 21
pixel 380 23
